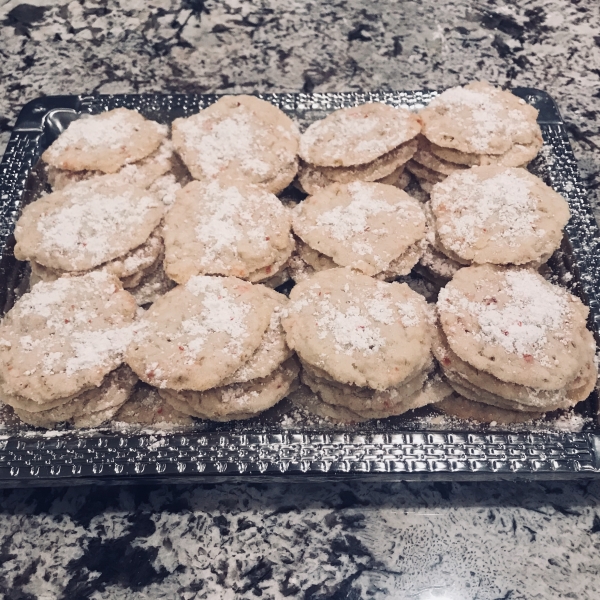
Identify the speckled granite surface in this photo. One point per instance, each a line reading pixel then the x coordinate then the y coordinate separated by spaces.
pixel 335 541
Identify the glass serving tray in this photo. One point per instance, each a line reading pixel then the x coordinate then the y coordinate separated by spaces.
pixel 285 443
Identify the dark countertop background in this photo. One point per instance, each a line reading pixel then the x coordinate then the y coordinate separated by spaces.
pixel 337 541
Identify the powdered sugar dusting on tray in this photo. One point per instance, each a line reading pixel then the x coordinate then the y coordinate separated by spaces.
pixel 502 204
pixel 521 325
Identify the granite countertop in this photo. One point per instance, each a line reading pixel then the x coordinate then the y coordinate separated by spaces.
pixel 337 540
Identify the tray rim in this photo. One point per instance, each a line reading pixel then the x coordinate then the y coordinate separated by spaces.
pixel 584 447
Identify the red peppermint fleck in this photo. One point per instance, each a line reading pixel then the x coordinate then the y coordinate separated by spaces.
pixel 528 358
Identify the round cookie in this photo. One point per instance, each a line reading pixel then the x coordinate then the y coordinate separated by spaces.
pixel 146 407
pixel 460 407
pixel 313 178
pixel 518 155
pixel 87 224
pixel 359 330
pixel 64 337
pixel 239 138
pixel 105 142
pixel 101 402
pixel 273 349
pixel 357 135
pixel 425 157
pixel 235 230
pixel 360 225
pixel 479 118
pixel 515 325
pixel 200 333
pixel 239 400
pixel 498 215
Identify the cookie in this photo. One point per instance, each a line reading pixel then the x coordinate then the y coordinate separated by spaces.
pixel 479 119
pixel 460 407
pixel 271 352
pixel 498 215
pixel 86 225
pixel 515 325
pixel 518 155
pixel 200 333
pixel 138 262
pixel 146 407
pixel 423 173
pixel 234 230
pixel 236 401
pixel 360 225
pixel 357 135
pixel 94 405
pixel 105 142
pixel 400 178
pixel 359 330
pixel 305 399
pixel 64 337
pixel 239 139
pixel 426 158
pixel 313 178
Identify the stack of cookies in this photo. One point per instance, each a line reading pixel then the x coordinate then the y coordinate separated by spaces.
pixel 513 345
pixel 364 345
pixel 477 124
pixel 96 224
pixel 373 228
pixel 369 142
pixel 239 139
pixel 496 215
pixel 215 349
pixel 61 351
pixel 236 229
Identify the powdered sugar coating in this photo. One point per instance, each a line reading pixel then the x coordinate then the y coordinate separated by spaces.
pixel 239 138
pixel 65 336
pixel 515 325
pixel 105 142
pixel 479 118
pixel 225 230
pixel 357 135
pixel 200 333
pixel 498 215
pixel 359 330
pixel 86 224
pixel 360 225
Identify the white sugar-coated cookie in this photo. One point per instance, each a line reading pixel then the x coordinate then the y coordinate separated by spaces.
pixel 479 118
pixel 498 215
pixel 86 224
pixel 147 408
pixel 467 410
pixel 527 397
pixel 200 333
pixel 514 324
pixel 360 225
pixel 273 349
pixel 359 330
pixel 141 260
pixel 99 404
pixel 105 142
pixel 305 399
pixel 239 138
pixel 225 230
pixel 237 401
pixel 357 135
pixel 64 337
pixel 313 178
